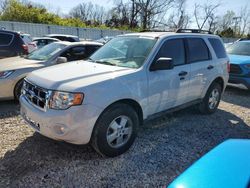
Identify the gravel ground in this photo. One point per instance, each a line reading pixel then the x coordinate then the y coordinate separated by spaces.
pixel 165 147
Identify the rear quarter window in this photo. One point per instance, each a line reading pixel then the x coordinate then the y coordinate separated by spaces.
pixel 218 47
pixel 5 39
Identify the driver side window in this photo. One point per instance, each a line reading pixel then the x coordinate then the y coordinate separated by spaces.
pixel 173 48
pixel 75 53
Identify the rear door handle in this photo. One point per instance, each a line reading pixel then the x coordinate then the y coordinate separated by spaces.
pixel 183 73
pixel 210 67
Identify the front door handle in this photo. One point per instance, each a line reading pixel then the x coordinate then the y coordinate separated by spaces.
pixel 183 73
pixel 210 67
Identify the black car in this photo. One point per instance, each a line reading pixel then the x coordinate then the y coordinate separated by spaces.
pixel 11 44
pixel 69 38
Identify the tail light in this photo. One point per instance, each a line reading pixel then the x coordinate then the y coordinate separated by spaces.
pixel 25 48
pixel 228 66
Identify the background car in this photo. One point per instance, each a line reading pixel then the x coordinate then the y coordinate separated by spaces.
pixel 11 44
pixel 105 39
pixel 28 41
pixel 13 70
pixel 227 165
pixel 239 54
pixel 69 38
pixel 43 41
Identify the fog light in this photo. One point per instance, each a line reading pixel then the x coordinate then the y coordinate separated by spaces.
pixel 60 129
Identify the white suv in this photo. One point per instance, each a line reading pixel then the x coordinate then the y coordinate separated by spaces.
pixel 132 78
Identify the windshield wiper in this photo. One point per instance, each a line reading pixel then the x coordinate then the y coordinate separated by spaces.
pixel 101 62
pixel 106 63
pixel 91 60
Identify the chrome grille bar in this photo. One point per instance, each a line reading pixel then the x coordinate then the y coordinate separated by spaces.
pixel 35 95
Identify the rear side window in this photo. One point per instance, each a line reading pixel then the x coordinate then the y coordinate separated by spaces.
pixel 5 39
pixel 197 50
pixel 218 48
pixel 173 48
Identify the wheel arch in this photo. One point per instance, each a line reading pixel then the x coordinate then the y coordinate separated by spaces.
pixel 16 85
pixel 131 102
pixel 220 81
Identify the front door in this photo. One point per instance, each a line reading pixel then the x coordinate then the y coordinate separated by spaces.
pixel 169 88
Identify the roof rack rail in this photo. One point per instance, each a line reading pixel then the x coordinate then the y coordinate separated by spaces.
pixel 154 30
pixel 193 31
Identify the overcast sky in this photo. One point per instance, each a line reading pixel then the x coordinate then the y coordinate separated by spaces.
pixel 65 5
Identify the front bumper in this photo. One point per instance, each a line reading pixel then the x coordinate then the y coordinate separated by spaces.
pixel 73 125
pixel 240 80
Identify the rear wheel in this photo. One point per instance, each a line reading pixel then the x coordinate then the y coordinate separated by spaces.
pixel 115 130
pixel 211 100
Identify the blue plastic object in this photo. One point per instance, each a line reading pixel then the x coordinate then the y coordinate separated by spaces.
pixel 226 166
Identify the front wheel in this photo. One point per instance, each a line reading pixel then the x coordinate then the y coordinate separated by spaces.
pixel 115 130
pixel 211 100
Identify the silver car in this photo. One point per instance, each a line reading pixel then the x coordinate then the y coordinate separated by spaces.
pixel 14 70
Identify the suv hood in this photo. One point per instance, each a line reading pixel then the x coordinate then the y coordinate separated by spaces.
pixel 15 63
pixel 239 59
pixel 75 75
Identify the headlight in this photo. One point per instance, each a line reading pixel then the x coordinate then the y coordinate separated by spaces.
pixel 63 100
pixel 5 74
pixel 247 66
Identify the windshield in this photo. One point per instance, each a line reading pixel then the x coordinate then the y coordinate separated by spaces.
pixel 239 48
pixel 128 52
pixel 46 52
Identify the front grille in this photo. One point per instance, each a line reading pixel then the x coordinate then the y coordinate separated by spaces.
pixel 37 96
pixel 235 69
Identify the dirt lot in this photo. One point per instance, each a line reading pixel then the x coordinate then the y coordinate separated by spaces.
pixel 165 147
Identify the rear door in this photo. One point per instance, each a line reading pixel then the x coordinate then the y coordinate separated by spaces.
pixel 202 66
pixel 168 88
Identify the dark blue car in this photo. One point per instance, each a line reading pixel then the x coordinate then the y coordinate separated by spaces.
pixel 239 54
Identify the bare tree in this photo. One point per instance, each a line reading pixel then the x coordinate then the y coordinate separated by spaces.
pixel 150 9
pixel 227 20
pixel 88 13
pixel 135 10
pixel 203 13
pixel 179 18
pixel 244 15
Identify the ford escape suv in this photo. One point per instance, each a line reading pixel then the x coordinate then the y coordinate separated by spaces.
pixel 132 78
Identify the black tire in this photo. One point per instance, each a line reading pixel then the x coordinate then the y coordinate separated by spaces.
pixel 99 139
pixel 204 106
pixel 17 90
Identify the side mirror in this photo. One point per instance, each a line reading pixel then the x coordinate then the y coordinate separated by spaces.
pixel 60 60
pixel 163 63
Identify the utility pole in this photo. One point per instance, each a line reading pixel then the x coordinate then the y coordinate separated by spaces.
pixel 236 21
